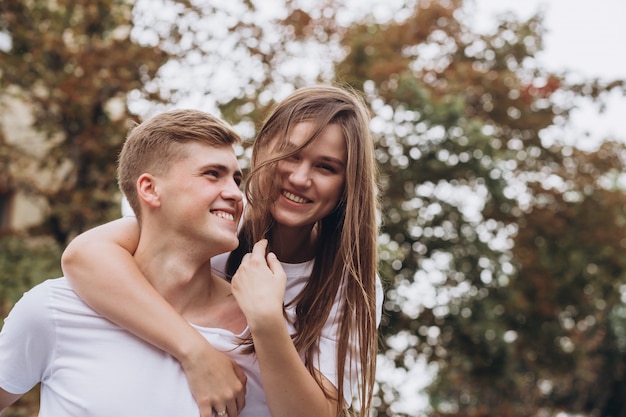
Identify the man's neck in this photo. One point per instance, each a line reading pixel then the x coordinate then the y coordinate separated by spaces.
pixel 180 273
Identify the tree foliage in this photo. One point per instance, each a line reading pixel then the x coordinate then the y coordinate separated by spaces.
pixel 72 63
pixel 504 252
pixel 501 243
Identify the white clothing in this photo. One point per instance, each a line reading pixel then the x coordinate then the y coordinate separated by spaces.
pixel 127 210
pixel 297 277
pixel 88 366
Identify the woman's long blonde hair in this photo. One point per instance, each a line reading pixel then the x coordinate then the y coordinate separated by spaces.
pixel 346 238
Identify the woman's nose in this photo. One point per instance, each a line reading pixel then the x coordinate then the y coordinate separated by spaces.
pixel 300 174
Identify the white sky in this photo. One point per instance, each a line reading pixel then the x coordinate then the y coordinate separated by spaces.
pixel 582 35
pixel 585 37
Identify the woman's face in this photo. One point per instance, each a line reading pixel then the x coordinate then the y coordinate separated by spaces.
pixel 311 182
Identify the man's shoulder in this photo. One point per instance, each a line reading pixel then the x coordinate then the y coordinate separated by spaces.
pixel 48 287
pixel 48 294
pixel 31 311
pixel 44 288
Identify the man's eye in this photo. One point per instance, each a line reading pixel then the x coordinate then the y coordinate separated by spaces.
pixel 212 173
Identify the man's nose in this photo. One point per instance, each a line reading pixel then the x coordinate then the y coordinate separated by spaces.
pixel 232 191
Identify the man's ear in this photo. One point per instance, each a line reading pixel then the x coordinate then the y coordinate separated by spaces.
pixel 147 190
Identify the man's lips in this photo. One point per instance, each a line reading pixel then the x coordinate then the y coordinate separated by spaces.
pixel 223 214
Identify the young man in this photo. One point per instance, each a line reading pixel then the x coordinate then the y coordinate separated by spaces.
pixel 181 177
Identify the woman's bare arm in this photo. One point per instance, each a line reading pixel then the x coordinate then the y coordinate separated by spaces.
pixel 100 267
pixel 290 389
pixel 6 399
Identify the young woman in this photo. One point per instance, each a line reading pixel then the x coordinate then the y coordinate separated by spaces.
pixel 312 201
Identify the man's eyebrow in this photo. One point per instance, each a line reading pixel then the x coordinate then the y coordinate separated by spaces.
pixel 218 167
pixel 222 168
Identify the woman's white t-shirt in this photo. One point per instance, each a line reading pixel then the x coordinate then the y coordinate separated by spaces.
pixel 297 277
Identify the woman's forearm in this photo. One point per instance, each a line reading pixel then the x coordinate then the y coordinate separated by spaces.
pixel 119 291
pixel 100 267
pixel 289 387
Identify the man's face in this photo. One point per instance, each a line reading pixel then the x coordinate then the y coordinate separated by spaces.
pixel 200 197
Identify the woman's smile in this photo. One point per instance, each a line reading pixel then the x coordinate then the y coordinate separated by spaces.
pixel 312 180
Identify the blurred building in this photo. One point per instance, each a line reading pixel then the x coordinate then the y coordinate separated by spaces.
pixel 23 178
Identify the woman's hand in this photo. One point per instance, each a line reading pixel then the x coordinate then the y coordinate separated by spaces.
pixel 259 287
pixel 216 381
pixel 290 389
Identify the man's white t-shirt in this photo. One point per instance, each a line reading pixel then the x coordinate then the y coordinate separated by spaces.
pixel 88 366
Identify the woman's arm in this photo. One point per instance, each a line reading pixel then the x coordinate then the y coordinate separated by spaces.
pixel 6 399
pixel 100 267
pixel 290 389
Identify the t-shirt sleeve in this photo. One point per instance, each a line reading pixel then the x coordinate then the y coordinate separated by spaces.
pixel 380 297
pixel 26 342
pixel 327 360
pixel 127 210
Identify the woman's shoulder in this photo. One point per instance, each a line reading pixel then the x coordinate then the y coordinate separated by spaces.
pixel 218 264
pixel 299 270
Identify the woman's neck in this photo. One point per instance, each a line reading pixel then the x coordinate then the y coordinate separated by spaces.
pixel 293 245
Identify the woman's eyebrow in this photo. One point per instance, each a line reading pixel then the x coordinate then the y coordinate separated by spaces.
pixel 333 160
pixel 290 147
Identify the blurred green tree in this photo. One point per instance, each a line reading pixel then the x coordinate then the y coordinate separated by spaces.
pixel 500 246
pixel 503 251
pixel 71 64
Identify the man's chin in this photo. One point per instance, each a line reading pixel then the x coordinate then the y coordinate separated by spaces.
pixel 232 246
